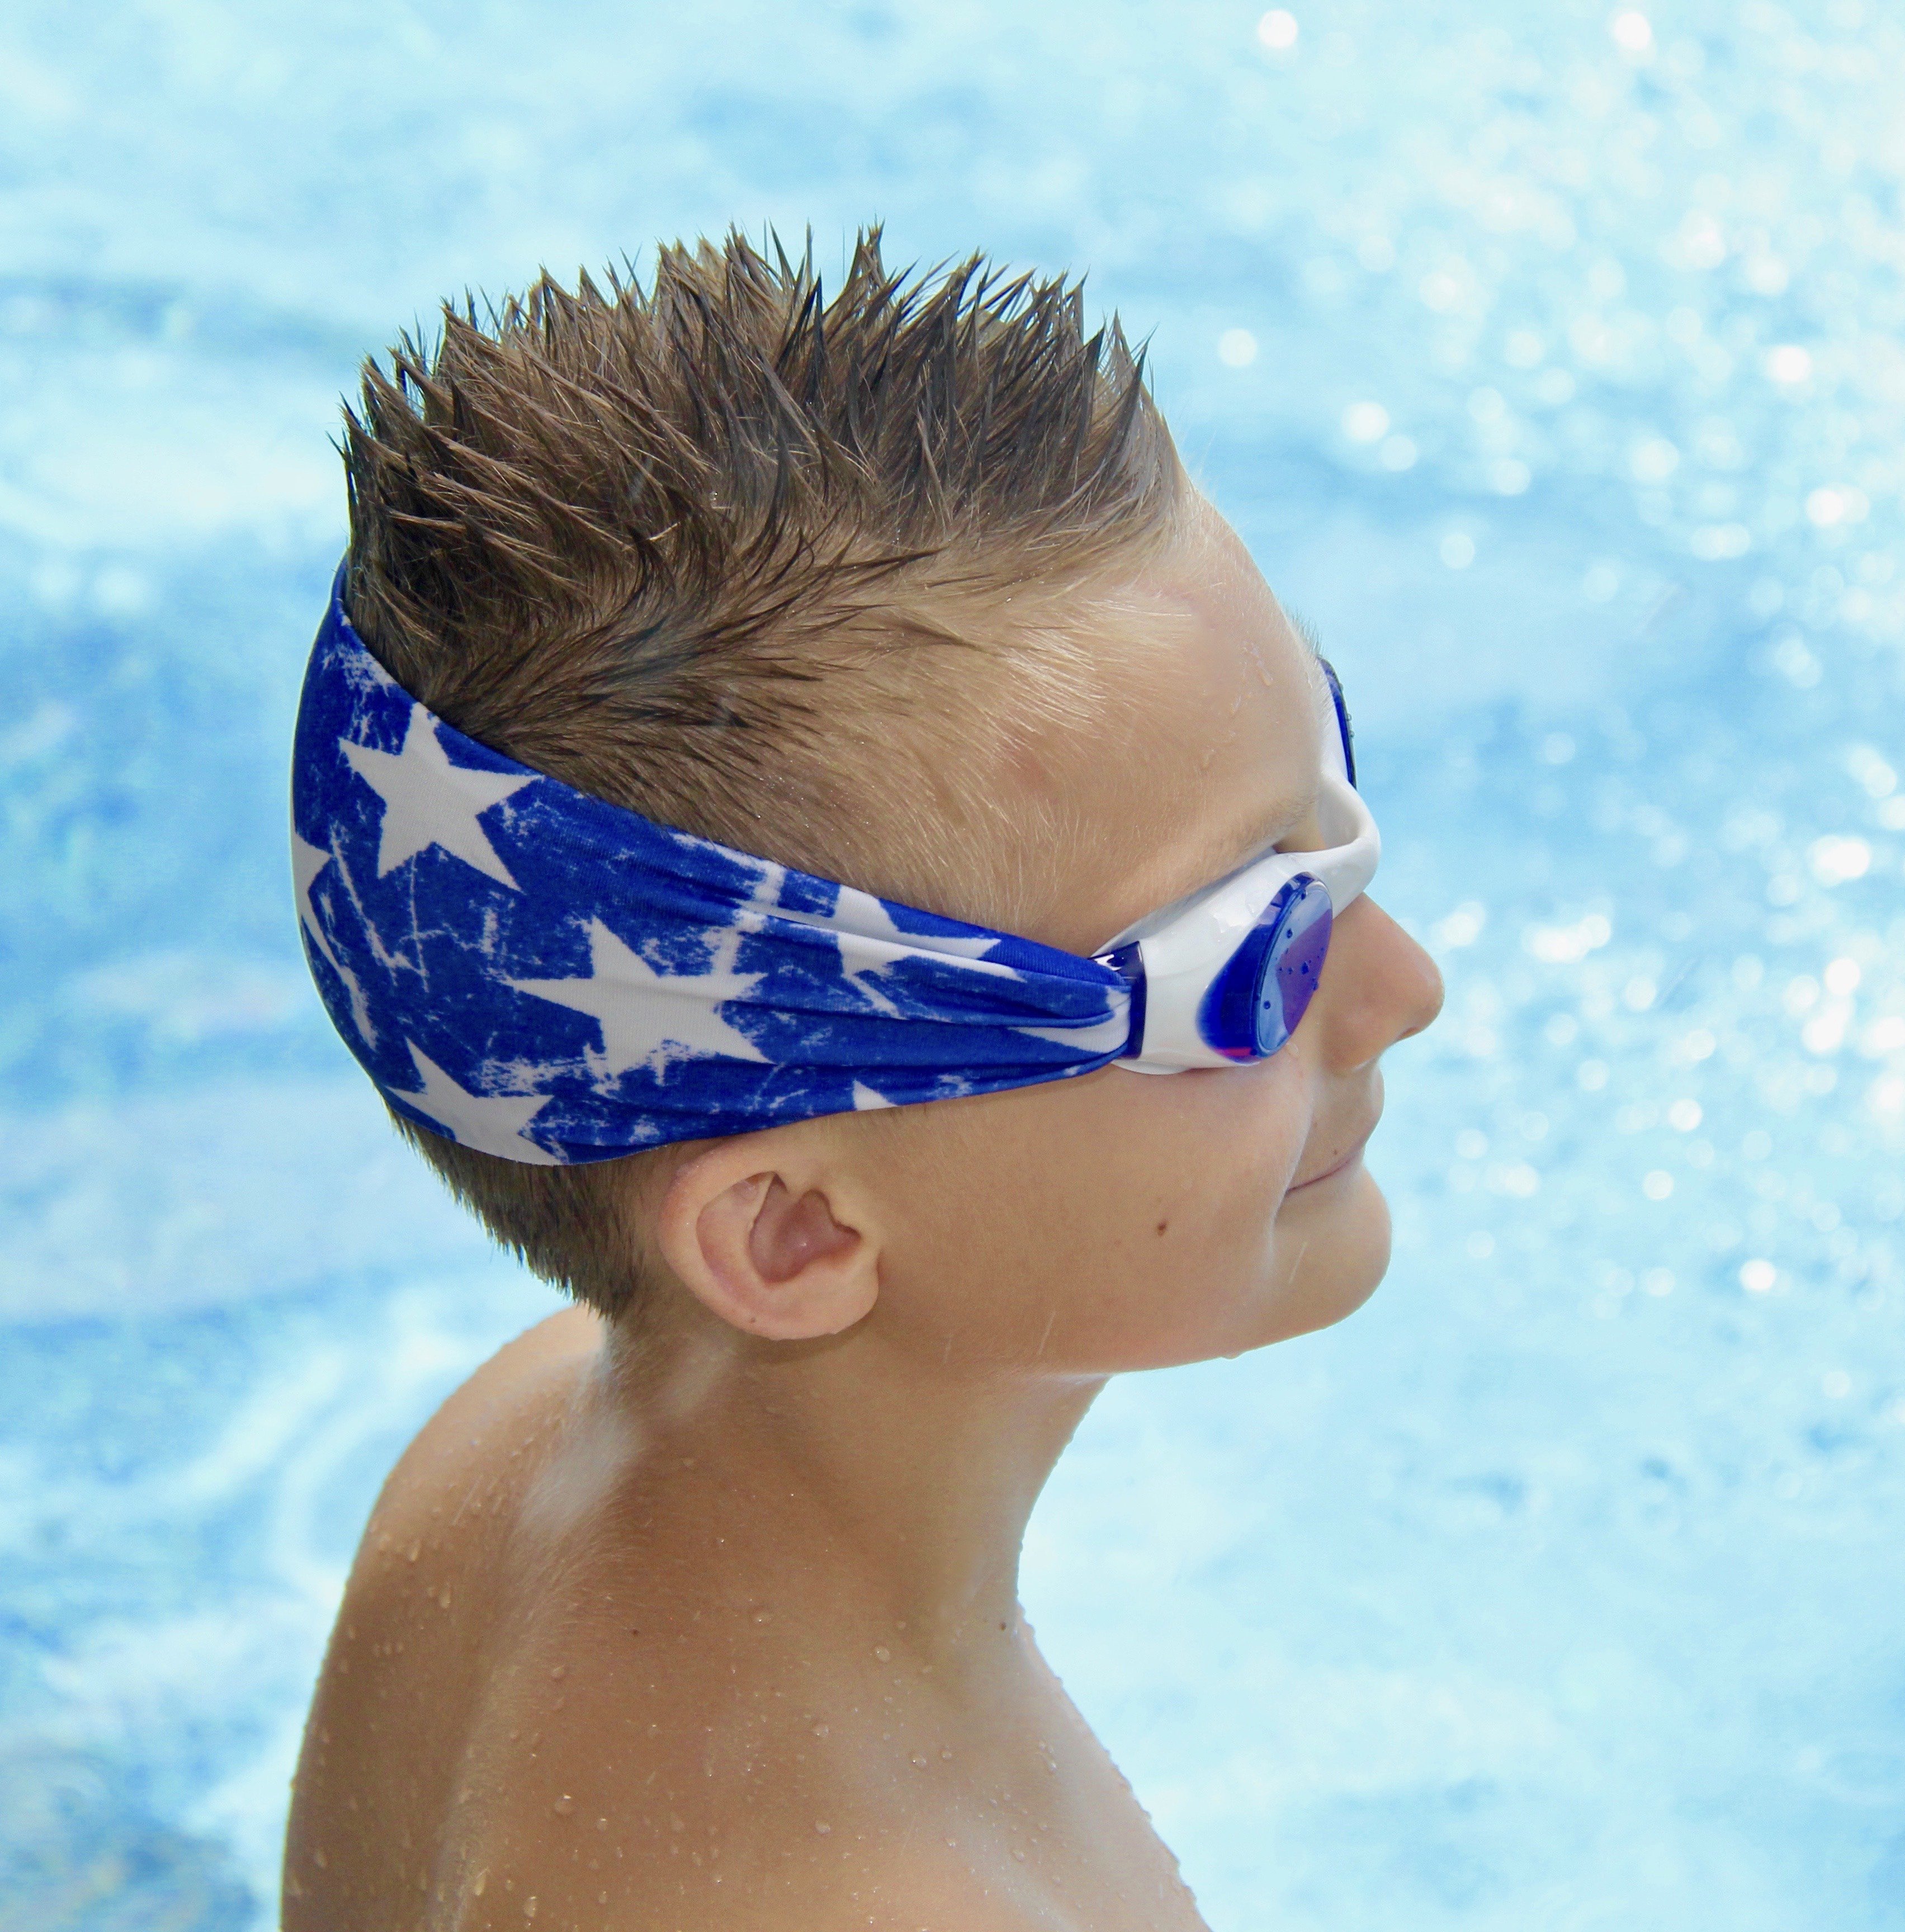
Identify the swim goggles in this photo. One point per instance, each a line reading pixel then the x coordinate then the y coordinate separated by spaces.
pixel 1225 975
pixel 540 974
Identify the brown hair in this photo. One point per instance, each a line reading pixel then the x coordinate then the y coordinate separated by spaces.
pixel 729 553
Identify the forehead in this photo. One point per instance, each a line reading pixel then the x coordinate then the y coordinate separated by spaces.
pixel 1206 748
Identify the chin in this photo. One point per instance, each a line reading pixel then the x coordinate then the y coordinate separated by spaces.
pixel 1338 1231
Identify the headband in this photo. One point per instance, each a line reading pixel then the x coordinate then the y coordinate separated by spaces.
pixel 535 973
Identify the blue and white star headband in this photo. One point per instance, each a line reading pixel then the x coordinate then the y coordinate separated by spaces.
pixel 547 977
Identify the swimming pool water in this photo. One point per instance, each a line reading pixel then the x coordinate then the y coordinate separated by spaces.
pixel 1550 360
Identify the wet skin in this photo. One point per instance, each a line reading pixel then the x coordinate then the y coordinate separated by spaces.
pixel 713 1621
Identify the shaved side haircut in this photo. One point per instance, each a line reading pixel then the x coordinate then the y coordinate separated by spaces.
pixel 758 562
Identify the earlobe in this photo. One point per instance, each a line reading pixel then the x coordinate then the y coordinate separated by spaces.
pixel 768 1255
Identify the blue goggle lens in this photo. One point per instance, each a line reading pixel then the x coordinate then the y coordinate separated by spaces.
pixel 1259 998
pixel 1336 698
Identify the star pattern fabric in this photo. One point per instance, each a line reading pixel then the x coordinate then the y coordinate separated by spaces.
pixel 492 1122
pixel 643 1014
pixel 428 801
pixel 548 978
pixel 306 862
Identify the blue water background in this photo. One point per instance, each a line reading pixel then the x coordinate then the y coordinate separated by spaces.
pixel 1549 358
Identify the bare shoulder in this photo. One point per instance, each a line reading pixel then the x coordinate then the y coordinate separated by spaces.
pixel 493 1401
pixel 403 1670
pixel 784 1880
pixel 463 1471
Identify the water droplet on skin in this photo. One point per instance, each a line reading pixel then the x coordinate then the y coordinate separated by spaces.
pixel 563 1805
pixel 919 1759
pixel 602 1824
pixel 820 1730
pixel 320 1862
pixel 945 1750
pixel 413 1552
pixel 1019 1854
pixel 529 1907
pixel 602 1898
pixel 822 1827
pixel 885 1655
pixel 476 1890
pixel 557 1672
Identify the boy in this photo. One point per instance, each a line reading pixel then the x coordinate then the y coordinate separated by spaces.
pixel 773 768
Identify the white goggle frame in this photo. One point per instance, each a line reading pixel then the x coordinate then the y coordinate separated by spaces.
pixel 1186 1012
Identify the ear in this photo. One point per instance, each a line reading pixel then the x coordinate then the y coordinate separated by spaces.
pixel 767 1243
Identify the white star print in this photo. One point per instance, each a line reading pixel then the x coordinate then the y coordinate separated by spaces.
pixel 869 942
pixel 306 862
pixel 490 1122
pixel 864 931
pixel 643 1013
pixel 860 916
pixel 428 801
pixel 1100 1036
pixel 865 1099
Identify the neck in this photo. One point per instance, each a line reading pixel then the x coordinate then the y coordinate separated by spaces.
pixel 886 1491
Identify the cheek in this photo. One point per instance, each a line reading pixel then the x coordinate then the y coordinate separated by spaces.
pixel 1237 1137
pixel 1118 1221
pixel 1223 1146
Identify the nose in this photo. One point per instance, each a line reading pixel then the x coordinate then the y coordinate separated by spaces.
pixel 1377 986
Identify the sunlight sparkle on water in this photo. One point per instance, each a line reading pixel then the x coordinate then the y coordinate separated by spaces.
pixel 1277 30
pixel 1543 357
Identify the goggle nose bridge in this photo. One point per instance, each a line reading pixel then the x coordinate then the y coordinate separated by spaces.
pixel 1200 971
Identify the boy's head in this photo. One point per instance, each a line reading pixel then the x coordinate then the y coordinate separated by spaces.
pixel 904 588
pixel 778 568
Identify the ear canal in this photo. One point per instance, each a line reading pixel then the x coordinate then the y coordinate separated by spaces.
pixel 790 1232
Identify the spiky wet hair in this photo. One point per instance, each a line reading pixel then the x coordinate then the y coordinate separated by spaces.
pixel 732 552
